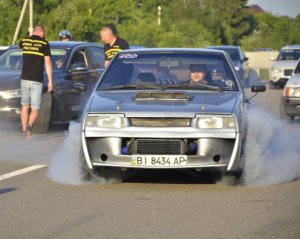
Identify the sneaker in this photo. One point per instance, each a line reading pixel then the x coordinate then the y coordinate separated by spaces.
pixel 28 132
pixel 23 136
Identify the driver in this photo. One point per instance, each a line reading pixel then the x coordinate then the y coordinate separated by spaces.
pixel 197 73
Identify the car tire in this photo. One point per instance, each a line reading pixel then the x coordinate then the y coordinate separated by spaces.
pixel 283 115
pixel 272 86
pixel 41 124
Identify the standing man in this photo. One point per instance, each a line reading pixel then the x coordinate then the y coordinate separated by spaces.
pixel 113 43
pixel 36 53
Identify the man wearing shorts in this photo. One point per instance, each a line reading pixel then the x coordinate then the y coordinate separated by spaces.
pixel 36 53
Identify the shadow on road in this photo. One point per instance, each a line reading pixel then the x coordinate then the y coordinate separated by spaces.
pixel 165 176
pixel 7 190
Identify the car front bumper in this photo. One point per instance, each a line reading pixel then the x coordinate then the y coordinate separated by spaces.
pixel 291 106
pixel 278 78
pixel 214 148
pixel 10 107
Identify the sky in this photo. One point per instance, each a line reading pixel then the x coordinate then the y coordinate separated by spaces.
pixel 289 8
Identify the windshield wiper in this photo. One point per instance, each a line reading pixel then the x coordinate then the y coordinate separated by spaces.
pixel 133 86
pixel 196 86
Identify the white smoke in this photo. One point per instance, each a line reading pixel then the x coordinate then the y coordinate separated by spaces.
pixel 65 165
pixel 272 152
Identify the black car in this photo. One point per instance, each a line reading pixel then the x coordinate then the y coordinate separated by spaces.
pixel 76 65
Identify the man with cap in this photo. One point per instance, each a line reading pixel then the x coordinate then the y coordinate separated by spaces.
pixel 113 43
pixel 197 73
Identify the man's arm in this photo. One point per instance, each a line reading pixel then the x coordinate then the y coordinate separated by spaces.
pixel 48 65
pixel 106 63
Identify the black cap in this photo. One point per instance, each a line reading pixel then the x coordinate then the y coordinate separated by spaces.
pixel 197 67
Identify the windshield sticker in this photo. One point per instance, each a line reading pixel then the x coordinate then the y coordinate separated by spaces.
pixel 128 56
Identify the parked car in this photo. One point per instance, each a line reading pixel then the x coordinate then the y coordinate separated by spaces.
pixel 74 64
pixel 238 56
pixel 290 100
pixel 284 65
pixel 145 113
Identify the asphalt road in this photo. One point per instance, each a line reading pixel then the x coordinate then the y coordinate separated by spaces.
pixel 148 205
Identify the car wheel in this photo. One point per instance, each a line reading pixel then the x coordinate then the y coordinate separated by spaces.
pixel 283 115
pixel 272 86
pixel 41 124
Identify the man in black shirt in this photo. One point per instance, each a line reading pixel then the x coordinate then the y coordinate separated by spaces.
pixel 113 43
pixel 36 53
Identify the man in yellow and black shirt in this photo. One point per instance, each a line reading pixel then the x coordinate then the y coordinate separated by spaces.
pixel 113 43
pixel 36 53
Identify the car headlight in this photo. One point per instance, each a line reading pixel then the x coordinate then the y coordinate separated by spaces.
pixel 116 121
pixel 10 94
pixel 292 91
pixel 215 122
pixel 276 69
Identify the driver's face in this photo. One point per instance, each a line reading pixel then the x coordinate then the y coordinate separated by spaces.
pixel 197 76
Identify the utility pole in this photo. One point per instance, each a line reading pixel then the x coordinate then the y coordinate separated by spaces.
pixel 17 31
pixel 30 17
pixel 159 12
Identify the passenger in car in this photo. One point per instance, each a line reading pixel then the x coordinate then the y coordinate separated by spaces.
pixel 198 73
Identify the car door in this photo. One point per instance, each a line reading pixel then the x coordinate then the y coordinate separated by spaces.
pixel 69 100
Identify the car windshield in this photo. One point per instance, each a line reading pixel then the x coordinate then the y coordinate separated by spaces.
pixel 297 69
pixel 289 55
pixel 192 71
pixel 12 59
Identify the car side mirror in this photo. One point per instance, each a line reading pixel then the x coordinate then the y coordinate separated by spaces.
pixel 80 86
pixel 258 88
pixel 246 59
pixel 78 67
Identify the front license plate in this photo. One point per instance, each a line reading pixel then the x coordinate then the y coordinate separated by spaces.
pixel 159 160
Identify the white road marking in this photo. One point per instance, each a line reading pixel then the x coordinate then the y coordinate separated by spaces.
pixel 21 171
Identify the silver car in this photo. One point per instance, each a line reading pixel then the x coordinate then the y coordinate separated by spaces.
pixel 284 65
pixel 290 100
pixel 148 112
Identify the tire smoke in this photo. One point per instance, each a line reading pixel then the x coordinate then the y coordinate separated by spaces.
pixel 65 165
pixel 272 152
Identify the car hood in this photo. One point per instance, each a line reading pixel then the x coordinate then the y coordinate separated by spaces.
pixel 124 102
pixel 285 64
pixel 9 80
pixel 294 81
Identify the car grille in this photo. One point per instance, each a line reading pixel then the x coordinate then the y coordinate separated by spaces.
pixel 160 122
pixel 158 146
pixel 288 72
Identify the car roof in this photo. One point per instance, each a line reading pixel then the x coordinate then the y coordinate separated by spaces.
pixel 68 44
pixel 224 47
pixel 172 50
pixel 290 47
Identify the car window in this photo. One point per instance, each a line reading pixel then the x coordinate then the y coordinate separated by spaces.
pixel 289 55
pixel 297 69
pixel 80 59
pixel 12 59
pixel 165 69
pixel 97 57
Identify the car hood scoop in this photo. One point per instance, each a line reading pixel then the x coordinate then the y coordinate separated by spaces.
pixel 152 96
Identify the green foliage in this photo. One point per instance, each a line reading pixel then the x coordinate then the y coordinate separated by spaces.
pixel 184 23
